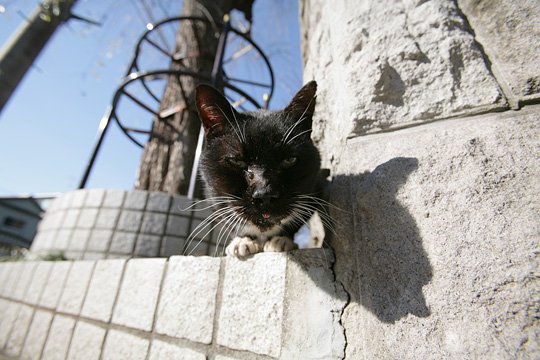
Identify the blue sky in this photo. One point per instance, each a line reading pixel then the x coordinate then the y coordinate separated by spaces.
pixel 49 126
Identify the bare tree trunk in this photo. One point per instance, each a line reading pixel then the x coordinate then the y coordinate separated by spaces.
pixel 167 160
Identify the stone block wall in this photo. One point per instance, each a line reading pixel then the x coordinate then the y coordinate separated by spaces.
pixel 436 177
pixel 98 224
pixel 270 306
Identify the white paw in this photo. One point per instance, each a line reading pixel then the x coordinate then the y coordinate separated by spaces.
pixel 242 247
pixel 279 244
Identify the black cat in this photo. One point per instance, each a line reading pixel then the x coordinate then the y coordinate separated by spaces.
pixel 260 169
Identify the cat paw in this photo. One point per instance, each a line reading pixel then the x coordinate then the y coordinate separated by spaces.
pixel 279 244
pixel 243 246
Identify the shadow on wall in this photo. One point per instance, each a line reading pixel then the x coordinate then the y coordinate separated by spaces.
pixel 380 257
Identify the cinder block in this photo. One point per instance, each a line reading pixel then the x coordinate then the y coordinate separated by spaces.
pixel 158 201
pixel 99 240
pixel 78 198
pixel 87 341
pixel 187 299
pixel 139 293
pixel 94 197
pixel 136 200
pixel 8 321
pixel 130 220
pixel 251 312
pixel 55 284
pixel 18 333
pixel 27 271
pixel 37 335
pixel 102 291
pixel 114 198
pixel 123 346
pixel 177 225
pixel 172 245
pixel 147 245
pixel 153 223
pixel 12 279
pixel 63 236
pixel 71 217
pixel 59 337
pixel 180 204
pixel 38 282
pixel 107 218
pixel 314 302
pixel 161 350
pixel 123 242
pixel 75 287
pixel 79 239
pixel 87 218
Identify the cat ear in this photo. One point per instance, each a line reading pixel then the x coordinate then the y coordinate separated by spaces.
pixel 214 109
pixel 303 103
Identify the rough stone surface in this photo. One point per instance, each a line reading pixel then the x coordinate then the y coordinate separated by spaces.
pixel 509 31
pixel 139 293
pixel 8 321
pixel 147 245
pixel 188 299
pixel 87 218
pixel 313 306
pixel 102 290
pixel 247 320
pixel 79 239
pixel 177 225
pixel 77 198
pixel 99 240
pixel 442 244
pixel 172 245
pixel 75 287
pixel 20 328
pixel 62 239
pixel 59 337
pixel 37 284
pixel 94 197
pixel 27 271
pixel 123 242
pixel 130 220
pixel 55 284
pixel 123 346
pixel 114 198
pixel 136 200
pixel 387 64
pixel 153 223
pixel 158 202
pixel 86 342
pixel 71 217
pixel 37 335
pixel 12 277
pixel 161 350
pixel 107 218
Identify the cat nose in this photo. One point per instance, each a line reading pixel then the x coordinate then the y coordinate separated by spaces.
pixel 265 193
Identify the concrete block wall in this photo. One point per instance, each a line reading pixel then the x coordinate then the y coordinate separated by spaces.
pixel 99 224
pixel 428 115
pixel 269 306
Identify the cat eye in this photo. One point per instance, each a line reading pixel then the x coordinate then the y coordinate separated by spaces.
pixel 237 162
pixel 289 162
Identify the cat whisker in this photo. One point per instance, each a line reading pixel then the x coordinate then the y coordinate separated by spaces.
pixel 230 225
pixel 297 135
pixel 236 131
pixel 217 199
pixel 307 209
pixel 205 223
pixel 321 201
pixel 291 129
pixel 238 125
pixel 226 218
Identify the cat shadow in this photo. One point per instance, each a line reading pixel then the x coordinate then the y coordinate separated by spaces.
pixel 380 259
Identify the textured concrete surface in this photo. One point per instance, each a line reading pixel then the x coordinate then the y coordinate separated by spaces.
pixel 37 284
pixel 188 299
pixel 102 290
pixel 442 244
pixel 247 320
pixel 123 346
pixel 313 306
pixel 75 287
pixel 18 334
pixel 27 271
pixel 161 350
pixel 386 64
pixel 509 31
pixel 139 293
pixel 55 284
pixel 57 344
pixel 86 342
pixel 37 334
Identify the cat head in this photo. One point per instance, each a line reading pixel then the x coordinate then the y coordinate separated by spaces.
pixel 259 163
